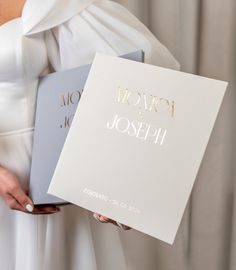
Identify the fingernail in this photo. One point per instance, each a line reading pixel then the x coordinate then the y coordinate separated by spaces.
pixel 99 219
pixel 122 226
pixel 96 217
pixel 29 208
pixel 119 224
pixel 103 220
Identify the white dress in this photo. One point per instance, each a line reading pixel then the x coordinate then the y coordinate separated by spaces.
pixel 54 35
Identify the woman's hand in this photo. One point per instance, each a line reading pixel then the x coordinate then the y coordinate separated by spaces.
pixel 104 219
pixel 17 198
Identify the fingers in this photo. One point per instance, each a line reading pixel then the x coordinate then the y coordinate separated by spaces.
pixel 13 203
pixel 104 219
pixel 100 218
pixel 18 200
pixel 20 196
pixel 17 197
pixel 122 226
pixel 26 204
pixel 38 210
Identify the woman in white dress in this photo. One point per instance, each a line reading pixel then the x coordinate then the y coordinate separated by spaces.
pixel 38 37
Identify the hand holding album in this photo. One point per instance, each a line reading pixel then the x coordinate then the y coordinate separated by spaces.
pixel 143 127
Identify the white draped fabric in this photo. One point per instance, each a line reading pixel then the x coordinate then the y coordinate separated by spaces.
pixel 202 36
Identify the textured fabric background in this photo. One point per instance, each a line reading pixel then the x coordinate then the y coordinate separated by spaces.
pixel 201 35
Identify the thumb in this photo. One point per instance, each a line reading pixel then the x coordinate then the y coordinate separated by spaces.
pixel 23 199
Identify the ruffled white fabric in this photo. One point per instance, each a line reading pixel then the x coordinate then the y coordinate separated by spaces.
pixel 60 34
pixel 39 16
pixel 103 26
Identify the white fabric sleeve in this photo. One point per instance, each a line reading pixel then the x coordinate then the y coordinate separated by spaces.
pixel 107 27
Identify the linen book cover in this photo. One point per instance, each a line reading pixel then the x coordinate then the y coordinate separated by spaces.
pixel 58 97
pixel 136 143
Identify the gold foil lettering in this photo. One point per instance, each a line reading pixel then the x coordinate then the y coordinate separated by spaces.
pixel 145 102
pixel 140 130
pixel 67 121
pixel 161 136
pixel 70 98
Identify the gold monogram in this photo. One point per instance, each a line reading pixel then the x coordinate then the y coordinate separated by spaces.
pixel 146 102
